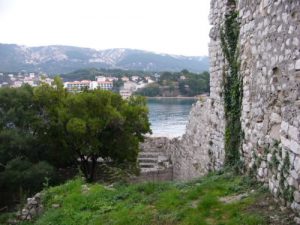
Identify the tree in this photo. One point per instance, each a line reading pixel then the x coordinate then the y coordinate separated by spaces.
pixel 21 155
pixel 89 125
pixel 102 124
pixel 151 90
pixel 47 124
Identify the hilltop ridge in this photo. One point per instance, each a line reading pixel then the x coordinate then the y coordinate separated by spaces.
pixel 63 59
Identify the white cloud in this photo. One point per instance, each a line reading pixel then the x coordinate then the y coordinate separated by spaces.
pixel 168 26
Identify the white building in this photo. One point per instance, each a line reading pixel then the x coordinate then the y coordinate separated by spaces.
pixel 78 86
pixel 17 84
pixel 105 85
pixel 125 79
pixel 100 78
pixel 135 78
pixel 130 86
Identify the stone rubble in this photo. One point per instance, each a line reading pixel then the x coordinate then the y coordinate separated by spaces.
pixel 33 208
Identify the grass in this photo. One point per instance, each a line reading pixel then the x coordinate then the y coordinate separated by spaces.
pixel 166 203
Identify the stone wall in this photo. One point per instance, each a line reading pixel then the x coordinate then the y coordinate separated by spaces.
pixel 270 66
pixel 269 49
pixel 269 46
pixel 201 149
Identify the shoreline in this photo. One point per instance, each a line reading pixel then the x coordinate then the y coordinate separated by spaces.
pixel 178 97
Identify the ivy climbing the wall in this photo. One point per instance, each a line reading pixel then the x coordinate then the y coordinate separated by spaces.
pixel 232 86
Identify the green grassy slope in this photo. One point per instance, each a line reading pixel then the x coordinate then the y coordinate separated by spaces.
pixel 215 199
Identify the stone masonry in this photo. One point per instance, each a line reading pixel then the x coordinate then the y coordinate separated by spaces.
pixel 269 50
pixel 269 46
pixel 201 149
pixel 270 66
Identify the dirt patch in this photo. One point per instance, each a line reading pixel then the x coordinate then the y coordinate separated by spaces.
pixel 270 209
pixel 233 198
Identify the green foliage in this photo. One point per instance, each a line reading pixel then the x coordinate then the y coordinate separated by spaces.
pixel 197 202
pixel 232 88
pixel 95 124
pixel 274 161
pixel 183 83
pixel 20 173
pixel 150 90
pixel 45 128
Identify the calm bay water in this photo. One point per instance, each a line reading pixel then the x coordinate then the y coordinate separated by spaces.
pixel 169 116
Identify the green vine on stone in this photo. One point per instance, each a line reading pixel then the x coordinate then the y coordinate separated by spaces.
pixel 232 88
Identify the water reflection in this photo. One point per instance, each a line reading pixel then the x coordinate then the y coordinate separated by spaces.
pixel 169 116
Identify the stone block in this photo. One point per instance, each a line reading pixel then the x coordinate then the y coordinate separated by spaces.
pixel 295 206
pixel 293 132
pixel 263 164
pixel 297 164
pixel 260 172
pixel 294 174
pixel 275 118
pixel 284 126
pixel 297 220
pixel 285 142
pixel 297 64
pixel 297 196
pixel 269 157
pixel 295 147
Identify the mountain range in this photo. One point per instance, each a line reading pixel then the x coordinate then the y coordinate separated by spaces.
pixel 57 59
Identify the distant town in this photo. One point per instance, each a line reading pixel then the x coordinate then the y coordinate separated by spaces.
pixel 130 84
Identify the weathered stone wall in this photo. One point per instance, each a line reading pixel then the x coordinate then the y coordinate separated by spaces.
pixel 270 66
pixel 269 49
pixel 201 148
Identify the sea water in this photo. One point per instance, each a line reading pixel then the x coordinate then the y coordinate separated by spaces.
pixel 169 116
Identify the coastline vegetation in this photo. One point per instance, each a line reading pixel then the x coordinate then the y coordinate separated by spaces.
pixel 179 84
pixel 46 132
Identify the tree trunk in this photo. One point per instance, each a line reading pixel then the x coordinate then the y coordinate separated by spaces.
pixel 92 168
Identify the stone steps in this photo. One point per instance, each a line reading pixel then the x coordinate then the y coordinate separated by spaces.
pixel 152 161
pixel 148 154
pixel 148 160
pixel 147 165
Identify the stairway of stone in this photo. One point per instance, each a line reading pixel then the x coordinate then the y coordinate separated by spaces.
pixel 153 161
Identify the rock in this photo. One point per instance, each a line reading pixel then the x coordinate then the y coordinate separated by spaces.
pixel 233 198
pixel 297 220
pixel 293 132
pixel 282 208
pixel 295 147
pixel 55 206
pixel 297 164
pixel 297 64
pixel 275 118
pixel 85 188
pixel 284 126
pixel 297 196
pixel 33 212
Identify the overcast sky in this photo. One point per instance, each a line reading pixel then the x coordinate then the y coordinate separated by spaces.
pixel 164 26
